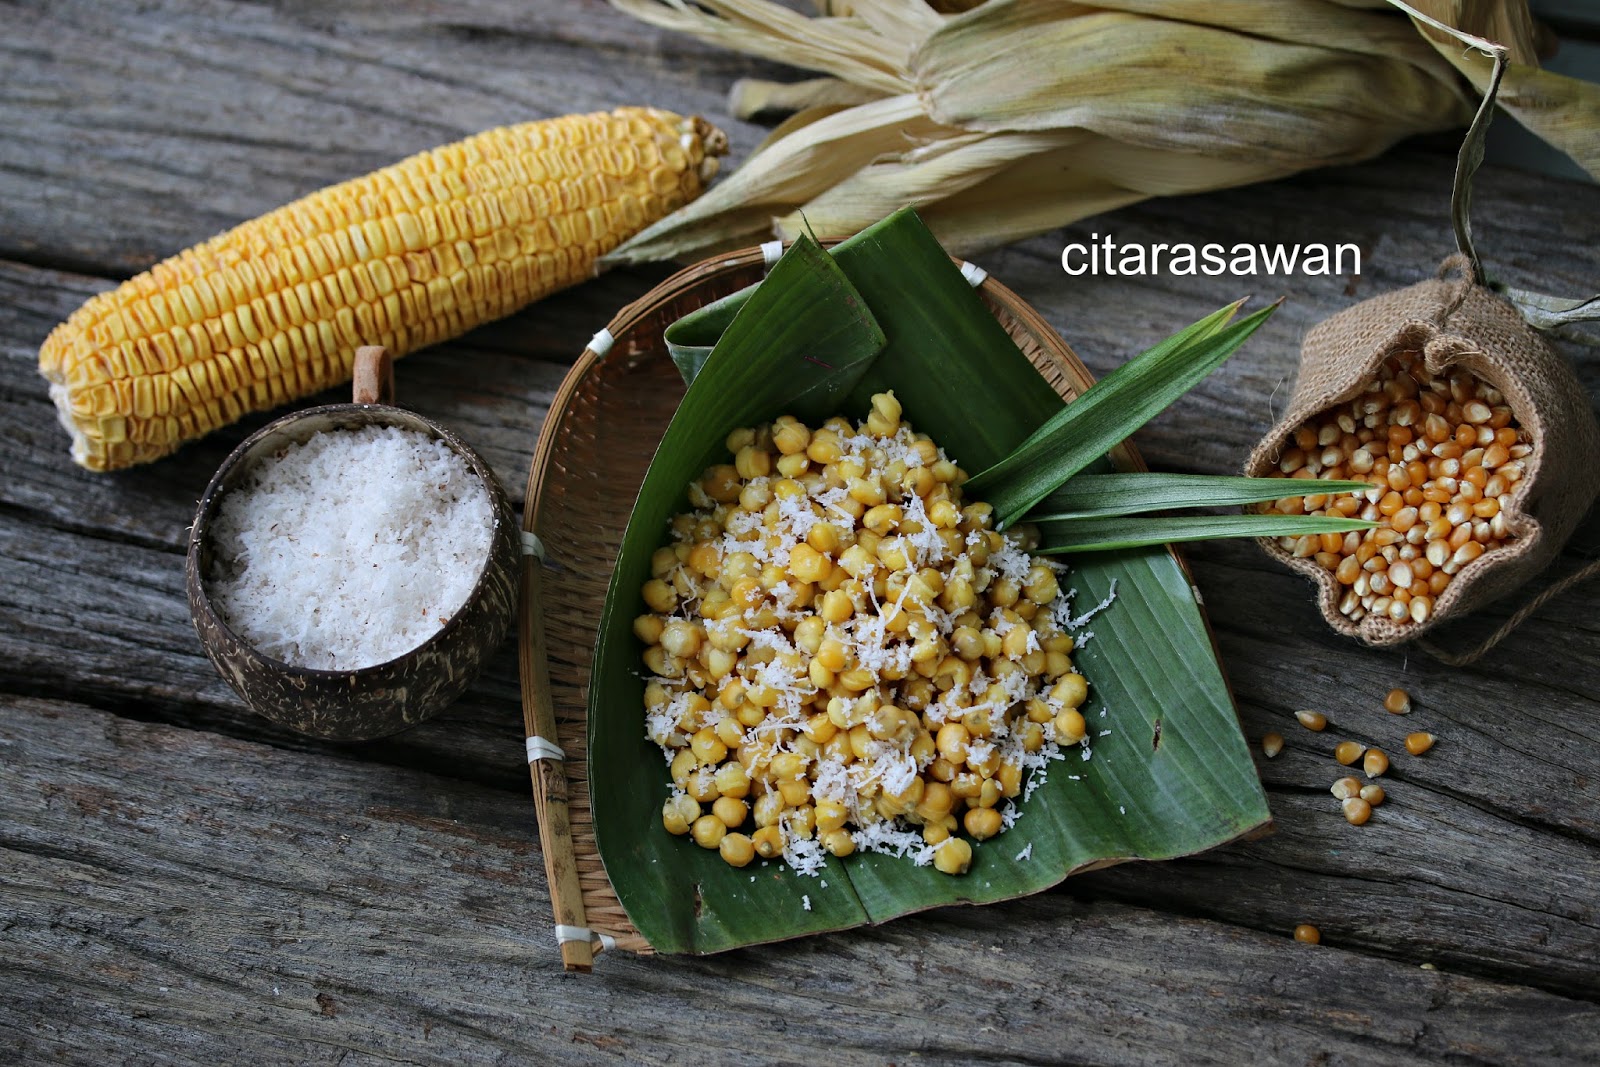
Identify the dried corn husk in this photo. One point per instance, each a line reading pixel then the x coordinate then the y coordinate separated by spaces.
pixel 1020 116
pixel 1563 111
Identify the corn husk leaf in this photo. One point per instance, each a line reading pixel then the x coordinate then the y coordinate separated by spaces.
pixel 847 48
pixel 1122 100
pixel 1562 111
pixel 792 170
pixel 1242 97
pixel 1171 774
pixel 752 97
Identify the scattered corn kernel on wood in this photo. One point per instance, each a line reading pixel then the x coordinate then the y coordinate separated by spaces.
pixel 845 654
pixel 1398 702
pixel 1419 742
pixel 1356 811
pixel 1271 745
pixel 1347 752
pixel 405 257
pixel 1308 934
pixel 1346 788
pixel 1312 720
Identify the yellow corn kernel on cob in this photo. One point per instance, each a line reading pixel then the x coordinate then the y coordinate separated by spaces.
pixel 405 257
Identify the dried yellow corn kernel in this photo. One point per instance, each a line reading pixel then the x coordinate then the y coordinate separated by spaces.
pixel 1444 454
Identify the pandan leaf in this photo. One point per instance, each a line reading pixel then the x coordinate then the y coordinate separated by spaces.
pixel 1088 496
pixel 1110 411
pixel 1110 534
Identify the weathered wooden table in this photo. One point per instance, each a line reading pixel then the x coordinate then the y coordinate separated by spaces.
pixel 181 882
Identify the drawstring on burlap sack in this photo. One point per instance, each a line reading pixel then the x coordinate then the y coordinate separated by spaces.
pixel 1478 651
pixel 1465 278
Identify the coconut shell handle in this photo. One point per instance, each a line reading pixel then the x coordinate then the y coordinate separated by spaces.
pixel 373 381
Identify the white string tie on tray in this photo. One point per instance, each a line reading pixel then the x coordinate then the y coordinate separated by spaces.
pixel 540 748
pixel 532 546
pixel 583 933
pixel 771 252
pixel 973 273
pixel 601 342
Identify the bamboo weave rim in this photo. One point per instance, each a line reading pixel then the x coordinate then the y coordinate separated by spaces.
pixel 594 448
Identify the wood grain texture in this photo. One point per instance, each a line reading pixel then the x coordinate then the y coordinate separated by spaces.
pixel 170 859
pixel 267 907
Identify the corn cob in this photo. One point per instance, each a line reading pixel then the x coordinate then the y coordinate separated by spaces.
pixel 405 257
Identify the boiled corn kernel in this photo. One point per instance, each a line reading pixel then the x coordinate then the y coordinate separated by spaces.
pixel 853 660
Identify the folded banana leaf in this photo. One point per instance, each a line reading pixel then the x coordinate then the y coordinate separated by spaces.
pixel 1166 771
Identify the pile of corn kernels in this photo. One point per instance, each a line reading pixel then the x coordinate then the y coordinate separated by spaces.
pixel 1444 456
pixel 843 655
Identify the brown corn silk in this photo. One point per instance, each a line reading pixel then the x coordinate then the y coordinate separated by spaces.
pixel 1455 324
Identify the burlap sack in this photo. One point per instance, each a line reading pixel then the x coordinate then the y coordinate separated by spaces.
pixel 1453 321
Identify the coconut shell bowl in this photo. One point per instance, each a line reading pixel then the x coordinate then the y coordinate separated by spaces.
pixel 382 699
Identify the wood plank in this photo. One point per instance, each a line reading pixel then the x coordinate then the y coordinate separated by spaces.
pixel 192 898
pixel 138 654
pixel 1485 858
pixel 107 620
pixel 204 113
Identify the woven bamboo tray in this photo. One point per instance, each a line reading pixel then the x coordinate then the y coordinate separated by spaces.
pixel 593 451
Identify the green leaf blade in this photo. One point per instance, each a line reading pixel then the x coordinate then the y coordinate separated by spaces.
pixel 690 339
pixel 1087 496
pixel 1196 331
pixel 657 879
pixel 1101 418
pixel 1112 534
pixel 949 362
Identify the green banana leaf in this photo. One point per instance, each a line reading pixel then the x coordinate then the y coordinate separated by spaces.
pixel 1168 772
